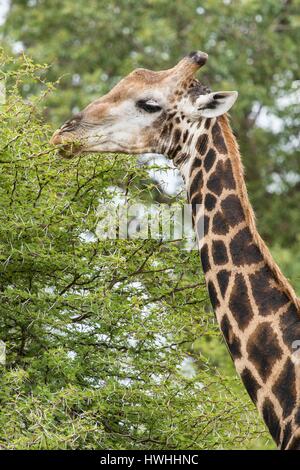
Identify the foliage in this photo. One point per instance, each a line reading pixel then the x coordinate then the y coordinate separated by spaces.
pixel 110 343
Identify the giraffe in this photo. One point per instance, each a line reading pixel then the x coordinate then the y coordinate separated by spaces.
pixel 172 113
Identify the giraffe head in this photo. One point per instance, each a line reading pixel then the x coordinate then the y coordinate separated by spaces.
pixel 145 112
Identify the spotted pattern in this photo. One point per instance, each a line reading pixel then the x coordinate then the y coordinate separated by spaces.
pixel 232 210
pixel 218 138
pixel 285 388
pixel 220 225
pixel 257 319
pixel 219 252
pixel 287 434
pixel 243 250
pixel 271 419
pixel 290 327
pixel 210 159
pixel 239 303
pixel 205 258
pixel 251 384
pixel 213 295
pixel 221 178
pixel 201 144
pixel 210 202
pixel 268 298
pixel 264 350
pixel 233 342
pixel 223 277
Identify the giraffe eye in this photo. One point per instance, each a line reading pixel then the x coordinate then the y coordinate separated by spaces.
pixel 150 106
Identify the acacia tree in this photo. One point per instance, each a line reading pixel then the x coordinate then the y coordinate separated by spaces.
pixel 110 343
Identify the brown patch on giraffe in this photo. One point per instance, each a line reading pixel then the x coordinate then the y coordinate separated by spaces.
pixel 201 144
pixel 171 114
pixel 196 202
pixel 285 388
pixel 251 384
pixel 207 123
pixel 232 210
pixel 218 138
pixel 269 299
pixel 271 419
pixel 219 224
pixel 239 302
pixel 287 434
pixel 213 295
pixel 243 250
pixel 223 277
pixel 185 136
pixel 196 184
pixel 209 159
pixel 205 258
pixel 233 342
pixel 290 326
pixel 210 202
pixel 264 350
pixel 221 178
pixel 197 163
pixel 176 136
pixel 219 252
pixel 206 224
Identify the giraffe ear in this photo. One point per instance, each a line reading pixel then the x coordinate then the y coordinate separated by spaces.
pixel 216 103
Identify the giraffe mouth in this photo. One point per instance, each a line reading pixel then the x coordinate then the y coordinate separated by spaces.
pixel 67 146
pixel 69 150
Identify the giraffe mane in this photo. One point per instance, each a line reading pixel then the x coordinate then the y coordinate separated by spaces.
pixel 238 170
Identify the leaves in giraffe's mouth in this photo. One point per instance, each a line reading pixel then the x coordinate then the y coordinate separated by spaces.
pixel 69 150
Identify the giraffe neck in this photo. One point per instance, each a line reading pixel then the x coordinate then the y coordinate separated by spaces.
pixel 256 308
